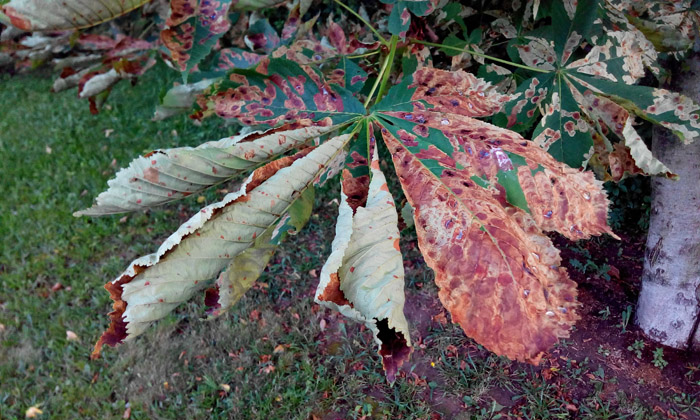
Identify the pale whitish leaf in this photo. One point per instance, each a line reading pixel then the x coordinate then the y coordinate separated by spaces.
pixel 33 412
pixel 155 284
pixel 538 53
pixel 363 277
pixel 167 175
pixel 99 83
pixel 51 15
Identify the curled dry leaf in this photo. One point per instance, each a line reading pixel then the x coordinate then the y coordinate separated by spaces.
pixel 363 277
pixel 171 174
pixel 32 412
pixel 155 284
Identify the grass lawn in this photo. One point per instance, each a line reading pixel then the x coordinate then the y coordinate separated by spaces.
pixel 276 355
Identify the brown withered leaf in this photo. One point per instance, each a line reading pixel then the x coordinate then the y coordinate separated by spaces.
pixel 482 197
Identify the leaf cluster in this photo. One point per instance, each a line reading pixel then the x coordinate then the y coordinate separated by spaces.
pixel 319 101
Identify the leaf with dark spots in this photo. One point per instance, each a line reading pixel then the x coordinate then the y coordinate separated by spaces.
pixel 440 91
pixel 171 174
pixel 188 260
pixel 478 249
pixel 279 91
pixel 262 36
pixel 482 197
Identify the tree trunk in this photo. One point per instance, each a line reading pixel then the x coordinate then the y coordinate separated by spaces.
pixel 668 310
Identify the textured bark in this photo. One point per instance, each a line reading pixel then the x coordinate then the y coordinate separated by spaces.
pixel 669 304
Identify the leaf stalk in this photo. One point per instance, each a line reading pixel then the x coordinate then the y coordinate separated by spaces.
pixel 478 54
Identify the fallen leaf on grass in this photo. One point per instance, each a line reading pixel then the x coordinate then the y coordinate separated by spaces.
pixel 32 412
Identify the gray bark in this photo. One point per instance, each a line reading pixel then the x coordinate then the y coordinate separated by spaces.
pixel 668 310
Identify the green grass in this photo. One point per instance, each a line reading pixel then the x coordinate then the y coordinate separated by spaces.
pixel 271 350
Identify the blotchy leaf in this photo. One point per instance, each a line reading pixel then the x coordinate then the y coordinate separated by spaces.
pixel 444 91
pixel 167 175
pixel 279 90
pixel 562 131
pixel 498 275
pixel 619 121
pixel 521 111
pixel 557 196
pixel 672 110
pixel 625 55
pixel 363 277
pixel 194 26
pixel 52 15
pixel 538 53
pixel 482 196
pixel 155 284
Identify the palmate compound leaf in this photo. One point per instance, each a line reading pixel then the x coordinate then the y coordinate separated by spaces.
pixel 171 174
pixel 155 284
pixel 482 196
pixel 52 15
pixel 571 128
pixel 363 277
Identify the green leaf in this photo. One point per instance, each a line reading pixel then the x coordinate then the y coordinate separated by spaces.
pixel 400 16
pixel 354 76
pixel 519 114
pixel 562 131
pixel 53 15
pixel 250 5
